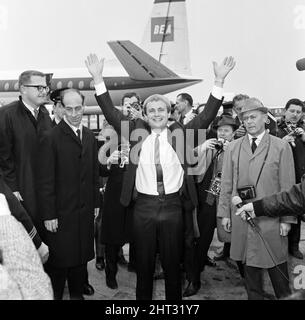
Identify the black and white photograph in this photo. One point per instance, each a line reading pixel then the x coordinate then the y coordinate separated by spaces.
pixel 152 150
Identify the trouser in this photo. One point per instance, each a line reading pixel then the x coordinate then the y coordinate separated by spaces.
pixel 226 253
pixel 294 236
pixel 197 254
pixel 157 223
pixel 99 247
pixel 254 281
pixel 132 254
pixel 111 257
pixel 76 277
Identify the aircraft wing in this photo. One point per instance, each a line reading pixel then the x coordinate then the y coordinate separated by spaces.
pixel 139 64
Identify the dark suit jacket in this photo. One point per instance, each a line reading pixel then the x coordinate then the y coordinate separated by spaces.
pixel 20 136
pixel 69 192
pixel 202 121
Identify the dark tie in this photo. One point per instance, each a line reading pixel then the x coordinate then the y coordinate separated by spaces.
pixel 160 185
pixel 36 111
pixel 253 145
pixel 79 136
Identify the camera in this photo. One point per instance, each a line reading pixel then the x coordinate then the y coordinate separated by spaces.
pixel 293 130
pixel 219 144
pixel 247 192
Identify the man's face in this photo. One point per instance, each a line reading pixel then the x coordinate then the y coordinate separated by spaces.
pixel 181 105
pixel 254 122
pixel 130 103
pixel 225 132
pixel 293 114
pixel 36 96
pixel 238 106
pixel 58 110
pixel 74 108
pixel 157 114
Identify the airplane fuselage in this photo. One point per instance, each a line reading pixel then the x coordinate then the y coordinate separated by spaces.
pixel 117 87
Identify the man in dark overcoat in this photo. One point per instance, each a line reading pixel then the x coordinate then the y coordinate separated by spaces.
pixel 22 124
pixel 68 196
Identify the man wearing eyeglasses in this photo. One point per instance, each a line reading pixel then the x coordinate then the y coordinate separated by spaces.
pixel 22 124
pixel 69 196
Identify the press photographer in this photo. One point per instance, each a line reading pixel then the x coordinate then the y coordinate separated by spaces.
pixel 291 129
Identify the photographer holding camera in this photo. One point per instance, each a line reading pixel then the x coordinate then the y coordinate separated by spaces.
pixel 131 106
pixel 210 157
pixel 291 129
pixel 256 165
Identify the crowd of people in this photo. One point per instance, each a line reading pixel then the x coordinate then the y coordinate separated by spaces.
pixel 160 176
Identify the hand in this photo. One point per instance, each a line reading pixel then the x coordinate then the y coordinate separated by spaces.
pixel 51 225
pixel 226 223
pixel 208 144
pixel 225 145
pixel 240 132
pixel 96 212
pixel 284 229
pixel 289 138
pixel 135 114
pixel 18 195
pixel 247 207
pixel 4 209
pixel 301 133
pixel 222 70
pixel 95 67
pixel 43 252
pixel 189 117
pixel 114 158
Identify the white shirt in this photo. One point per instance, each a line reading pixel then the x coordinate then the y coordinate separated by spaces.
pixel 75 128
pixel 146 176
pixel 258 138
pixel 30 108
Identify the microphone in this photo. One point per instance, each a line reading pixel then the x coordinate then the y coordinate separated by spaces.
pixel 300 64
pixel 236 201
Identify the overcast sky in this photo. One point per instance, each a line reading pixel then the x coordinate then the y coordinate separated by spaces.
pixel 265 36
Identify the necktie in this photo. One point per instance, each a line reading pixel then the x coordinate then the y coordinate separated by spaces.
pixel 36 111
pixel 253 145
pixel 79 136
pixel 160 185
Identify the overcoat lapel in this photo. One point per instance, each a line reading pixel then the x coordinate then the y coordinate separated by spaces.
pixel 68 131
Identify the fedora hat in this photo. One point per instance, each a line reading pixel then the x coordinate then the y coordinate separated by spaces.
pixel 226 120
pixel 253 104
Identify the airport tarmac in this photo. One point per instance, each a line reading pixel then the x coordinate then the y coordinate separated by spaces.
pixel 222 282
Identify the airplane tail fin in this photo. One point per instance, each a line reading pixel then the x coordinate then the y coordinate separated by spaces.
pixel 166 35
pixel 138 64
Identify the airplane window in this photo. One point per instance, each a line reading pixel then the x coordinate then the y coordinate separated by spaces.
pixel 81 84
pixel 16 86
pixel 70 84
pixel 91 84
pixel 6 86
pixel 59 85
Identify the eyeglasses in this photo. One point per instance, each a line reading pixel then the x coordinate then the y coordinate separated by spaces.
pixel 39 88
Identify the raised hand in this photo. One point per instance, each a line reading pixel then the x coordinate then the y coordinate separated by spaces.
pixel 223 69
pixel 95 67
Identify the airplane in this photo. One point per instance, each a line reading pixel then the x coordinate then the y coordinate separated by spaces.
pixel 166 37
